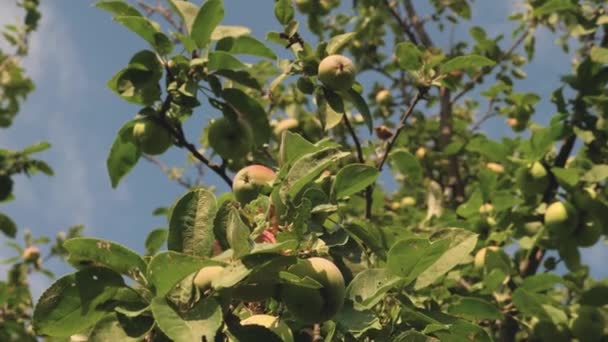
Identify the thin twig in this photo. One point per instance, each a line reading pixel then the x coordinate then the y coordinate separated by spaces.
pixel 166 170
pixel 489 114
pixel 419 96
pixel 369 190
pixel 401 21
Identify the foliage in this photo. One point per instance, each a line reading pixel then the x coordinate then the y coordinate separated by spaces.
pixel 428 261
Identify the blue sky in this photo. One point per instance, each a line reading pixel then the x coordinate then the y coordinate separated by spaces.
pixel 77 49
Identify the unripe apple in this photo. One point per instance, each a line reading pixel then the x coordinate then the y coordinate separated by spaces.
pixel 588 325
pixel 337 72
pixel 486 209
pixel 285 125
pixel 495 167
pixel 532 180
pixel 421 153
pixel 480 257
pixel 252 181
pixel 560 218
pixel 273 323
pixel 584 198
pixel 205 276
pixel 31 254
pixel 588 233
pixel 328 5
pixel 408 201
pixel 305 6
pixel 151 137
pixel 383 97
pixel 315 305
pixel 231 139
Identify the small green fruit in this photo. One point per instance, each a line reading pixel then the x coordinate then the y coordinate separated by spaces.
pixel 337 72
pixel 315 305
pixel 151 137
pixel 588 233
pixel 532 180
pixel 588 325
pixel 205 276
pixel 231 139
pixel 560 218
pixel 327 5
pixel 305 6
pixel 480 257
pixel 495 167
pixel 273 323
pixel 252 181
pixel 408 201
pixel 383 97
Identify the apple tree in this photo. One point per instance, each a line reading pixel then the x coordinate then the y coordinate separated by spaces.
pixel 478 238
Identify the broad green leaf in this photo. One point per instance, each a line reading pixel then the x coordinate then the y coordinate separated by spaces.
pixel 198 324
pixel 363 234
pixel 124 154
pixel 339 42
pixel 475 309
pixel 37 148
pixel 105 253
pixel 414 336
pixel 224 31
pixel 530 303
pixel 240 76
pixel 461 244
pixel 567 178
pixel 191 223
pixel 75 302
pixel 220 60
pixel 354 178
pixel 466 62
pixel 407 164
pixel 553 6
pixel 463 331
pixel 168 268
pixel 307 168
pixel 7 226
pixel 283 11
pixel 252 111
pixel 409 257
pixel 359 103
pixel 293 146
pixel 207 19
pixel 274 247
pixel 148 31
pixel 408 56
pixel 599 54
pixel 231 274
pixel 370 286
pixel 541 282
pixel 110 329
pixel 237 234
pixel 187 12
pixel 117 7
pixel 139 82
pixel 245 45
pixel 357 322
pixel 155 240
pixel 488 148
pixel 595 296
pixel 598 173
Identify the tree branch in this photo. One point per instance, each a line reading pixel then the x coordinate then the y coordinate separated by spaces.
pixel 166 170
pixel 401 21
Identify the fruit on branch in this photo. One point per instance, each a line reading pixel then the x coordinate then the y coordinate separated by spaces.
pixel 31 254
pixel 252 181
pixel 480 257
pixel 306 6
pixel 495 167
pixel 285 125
pixel 516 125
pixel 584 198
pixel 561 218
pixel 231 139
pixel 588 233
pixel 486 209
pixel 408 201
pixel 315 305
pixel 205 276
pixel 420 153
pixel 383 97
pixel 532 180
pixel 588 325
pixel 337 72
pixel 273 323
pixel 151 137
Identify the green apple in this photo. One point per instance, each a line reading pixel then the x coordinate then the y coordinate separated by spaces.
pixel 252 181
pixel 151 137
pixel 205 276
pixel 231 139
pixel 480 257
pixel 420 153
pixel 327 5
pixel 408 201
pixel 337 72
pixel 273 323
pixel 588 233
pixel 588 325
pixel 383 97
pixel 312 305
pixel 495 167
pixel 532 180
pixel 486 209
pixel 584 198
pixel 306 6
pixel 561 218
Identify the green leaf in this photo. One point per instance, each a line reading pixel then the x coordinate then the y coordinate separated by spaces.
pixel 599 54
pixel 187 12
pixel 475 309
pixel 223 31
pixel 363 234
pixel 359 103
pixel 407 164
pixel 408 56
pixel 567 178
pixel 207 19
pixel 105 253
pixel 75 302
pixel 307 168
pixel 409 257
pixel 231 274
pixel 283 11
pixel 124 154
pixel 191 223
pixel 554 6
pixel 530 303
pixel 357 322
pixel 339 42
pixel 595 296
pixel 240 76
pixel 541 282
pixel 117 7
pixel 148 31
pixel 294 146
pixel 155 240
pixel 37 148
pixel 237 234
pixel 597 173
pixel 414 336
pixel 488 148
pixel 370 286
pixel 110 329
pixel 7 226
pixel 251 111
pixel 354 178
pixel 199 323
pixel 168 268
pixel 465 62
pixel 139 82
pixel 245 45
pixel 220 60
